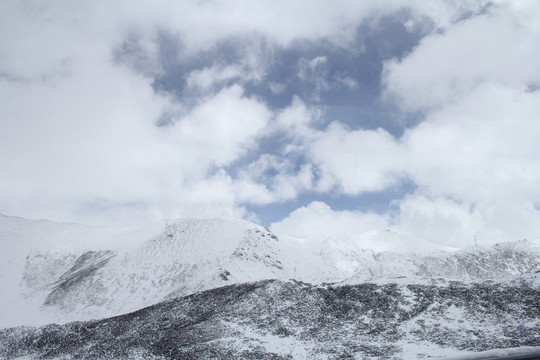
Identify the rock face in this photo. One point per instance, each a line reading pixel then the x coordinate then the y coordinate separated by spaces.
pixel 292 320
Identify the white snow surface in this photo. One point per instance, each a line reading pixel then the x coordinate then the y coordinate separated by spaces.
pixel 52 248
pixel 57 272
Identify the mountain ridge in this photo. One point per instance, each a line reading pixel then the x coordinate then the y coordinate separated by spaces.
pixel 69 282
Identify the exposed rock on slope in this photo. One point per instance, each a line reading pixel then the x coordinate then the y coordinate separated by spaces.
pixel 284 320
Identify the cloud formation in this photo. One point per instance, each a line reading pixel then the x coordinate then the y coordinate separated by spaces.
pixel 361 160
pixel 128 111
pixel 319 222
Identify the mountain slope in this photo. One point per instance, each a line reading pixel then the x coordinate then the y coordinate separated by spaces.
pixel 116 276
pixel 34 254
pixel 68 272
pixel 284 320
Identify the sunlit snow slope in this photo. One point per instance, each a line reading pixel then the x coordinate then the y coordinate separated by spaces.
pixel 61 272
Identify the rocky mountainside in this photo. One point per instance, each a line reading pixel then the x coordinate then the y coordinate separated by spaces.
pixel 66 272
pixel 272 319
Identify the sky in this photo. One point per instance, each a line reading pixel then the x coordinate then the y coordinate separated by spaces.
pixel 315 118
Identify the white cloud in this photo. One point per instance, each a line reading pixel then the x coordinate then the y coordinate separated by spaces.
pixel 250 67
pixel 220 129
pixel 360 160
pixel 314 72
pixel 289 185
pixel 474 157
pixel 459 224
pixel 498 47
pixel 483 151
pixel 56 32
pixel 272 178
pixel 85 147
pixel 441 220
pixel 207 78
pixel 277 88
pixel 482 147
pixel 78 139
pixel 319 221
pixel 478 144
pixel 296 122
pixel 346 81
pixel 312 69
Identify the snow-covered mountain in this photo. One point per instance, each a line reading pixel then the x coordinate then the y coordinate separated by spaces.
pixel 226 288
pixel 63 272
pixel 34 254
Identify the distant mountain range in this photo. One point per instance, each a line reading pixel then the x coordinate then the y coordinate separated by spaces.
pixel 226 288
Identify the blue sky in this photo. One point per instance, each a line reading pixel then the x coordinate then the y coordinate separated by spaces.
pixel 318 119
